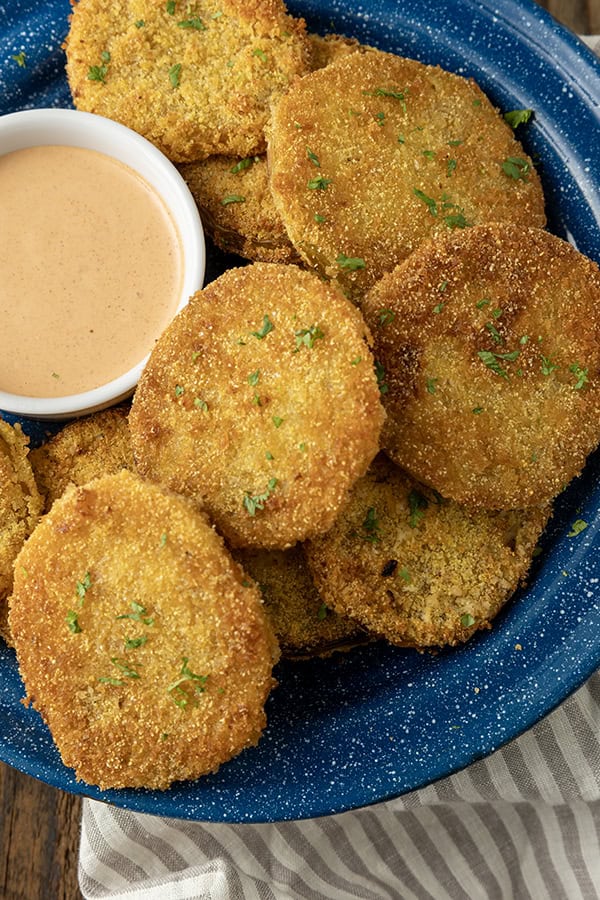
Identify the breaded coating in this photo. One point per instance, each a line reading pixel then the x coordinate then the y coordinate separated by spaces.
pixel 488 343
pixel 375 153
pixel 417 569
pixel 303 624
pixel 83 450
pixel 20 507
pixel 260 402
pixel 141 642
pixel 237 209
pixel 327 49
pixel 194 80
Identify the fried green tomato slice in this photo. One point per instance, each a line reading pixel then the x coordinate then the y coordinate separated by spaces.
pixel 303 624
pixel 419 570
pixel 237 209
pixel 83 450
pixel 374 153
pixel 143 645
pixel 488 343
pixel 20 508
pixel 193 80
pixel 260 402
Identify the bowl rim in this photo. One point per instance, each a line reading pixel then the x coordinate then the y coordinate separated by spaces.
pixel 76 128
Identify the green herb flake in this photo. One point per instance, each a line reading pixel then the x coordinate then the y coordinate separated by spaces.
pixel 201 404
pixel 306 337
pixel 429 202
pixel 302 447
pixel 394 95
pixel 380 116
pixel 494 332
pixel 83 586
pixel 269 455
pixel 217 14
pixel 580 374
pixel 314 159
pixel 450 167
pixel 485 301
pixel 277 421
pixel 523 340
pixel 19 58
pixel 438 308
pixel 242 164
pixel 442 286
pixel 320 183
pixel 456 220
pixel 134 643
pixel 430 385
pixel 71 620
pixel 577 527
pixel 137 614
pixel 385 317
pixel 175 75
pixel 401 139
pixel 516 167
pixel 455 143
pixel 404 574
pixel 429 154
pixel 255 502
pixel 170 7
pixel 490 360
pixel 355 362
pixel 232 198
pixel 319 219
pixel 516 117
pixel 370 526
pixel 267 327
pixel 124 667
pixel 181 697
pixel 97 73
pixel 351 263
pixel 179 390
pixel 380 376
pixel 260 54
pixel 254 378
pixel 139 23
pixel 477 410
pixel 114 681
pixel 548 367
pixel 417 504
pixel 322 612
pixel 467 620
pixel 195 23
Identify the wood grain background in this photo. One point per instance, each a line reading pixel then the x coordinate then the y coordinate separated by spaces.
pixel 39 825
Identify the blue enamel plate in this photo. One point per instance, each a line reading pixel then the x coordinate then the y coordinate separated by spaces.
pixel 372 724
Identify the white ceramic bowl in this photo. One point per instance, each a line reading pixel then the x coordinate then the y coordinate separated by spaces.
pixel 68 127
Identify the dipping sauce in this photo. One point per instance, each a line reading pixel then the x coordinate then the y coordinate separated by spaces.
pixel 91 270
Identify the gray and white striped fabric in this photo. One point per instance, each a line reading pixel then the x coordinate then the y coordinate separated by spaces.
pixel 524 823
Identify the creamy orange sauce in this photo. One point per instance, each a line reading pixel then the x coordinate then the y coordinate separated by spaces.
pixel 91 269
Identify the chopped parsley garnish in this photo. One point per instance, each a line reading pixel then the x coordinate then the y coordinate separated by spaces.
pixel 477 410
pixel 404 574
pixel 163 539
pixel 242 164
pixel 19 58
pixel 430 384
pixel 277 421
pixel 179 390
pixel 134 643
pixel 232 198
pixel 261 54
pixel 98 73
pixel 577 527
pixel 320 183
pixel 170 7
pixel 115 681
pixel 269 455
pixel 494 332
pixel 429 154
pixel 466 620
pixel 199 403
pixel 267 326
pixel 124 667
pixel 380 116
pixel 429 202
pixel 370 526
pixel 490 360
pixel 175 75
pixel 450 167
pixel 319 219
pixel 401 139
pixel 516 168
pixel 139 23
pixel 352 263
pixel 580 374
pixel 314 160
pixel 380 376
pixel 71 620
pixel 322 612
pixel 485 301
pixel 417 504
pixel 438 307
pixel 355 362
pixel 548 367
pixel 517 117
pixel 81 587
pixel 456 220
pixel 306 337
pixel 395 95
pixel 180 697
pixel 254 378
pixel 195 22
pixel 386 316
pixel 255 502
pixel 137 614
pixel 442 286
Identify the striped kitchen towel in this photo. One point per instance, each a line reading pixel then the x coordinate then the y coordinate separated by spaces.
pixel 523 823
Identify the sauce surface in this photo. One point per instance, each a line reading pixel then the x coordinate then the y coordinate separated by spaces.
pixel 91 268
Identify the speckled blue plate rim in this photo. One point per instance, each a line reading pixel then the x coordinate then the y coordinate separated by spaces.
pixel 363 727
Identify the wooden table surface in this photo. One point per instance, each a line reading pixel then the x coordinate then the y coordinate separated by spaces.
pixel 40 825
